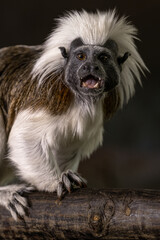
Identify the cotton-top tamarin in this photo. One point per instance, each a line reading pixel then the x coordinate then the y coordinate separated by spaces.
pixel 54 99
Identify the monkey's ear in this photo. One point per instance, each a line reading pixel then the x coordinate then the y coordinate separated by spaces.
pixel 121 60
pixel 63 52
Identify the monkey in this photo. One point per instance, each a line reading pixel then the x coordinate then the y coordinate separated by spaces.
pixel 54 99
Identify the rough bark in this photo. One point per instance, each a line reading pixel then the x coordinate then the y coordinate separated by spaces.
pixel 87 214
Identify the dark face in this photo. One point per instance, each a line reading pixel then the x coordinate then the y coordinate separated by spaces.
pixel 91 70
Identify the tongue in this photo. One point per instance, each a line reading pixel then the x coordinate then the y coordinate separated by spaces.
pixel 90 83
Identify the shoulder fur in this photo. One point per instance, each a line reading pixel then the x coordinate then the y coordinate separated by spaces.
pixel 18 91
pixel 93 28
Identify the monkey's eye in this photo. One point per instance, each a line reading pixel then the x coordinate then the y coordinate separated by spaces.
pixel 104 57
pixel 81 56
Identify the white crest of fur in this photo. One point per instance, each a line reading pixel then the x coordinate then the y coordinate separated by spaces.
pixel 93 28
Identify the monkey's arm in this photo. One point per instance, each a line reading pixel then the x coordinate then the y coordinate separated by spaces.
pixel 34 160
pixel 34 156
pixel 29 150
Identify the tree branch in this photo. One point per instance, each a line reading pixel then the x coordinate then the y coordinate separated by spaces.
pixel 87 214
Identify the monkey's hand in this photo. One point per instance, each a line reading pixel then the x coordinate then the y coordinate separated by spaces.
pixel 12 197
pixel 68 181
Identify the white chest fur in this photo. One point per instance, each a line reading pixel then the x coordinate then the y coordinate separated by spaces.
pixel 77 133
pixel 59 142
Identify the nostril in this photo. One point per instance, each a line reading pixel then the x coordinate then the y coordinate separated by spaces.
pixel 96 68
pixel 84 67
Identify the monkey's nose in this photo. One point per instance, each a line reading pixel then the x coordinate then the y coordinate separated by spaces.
pixel 90 67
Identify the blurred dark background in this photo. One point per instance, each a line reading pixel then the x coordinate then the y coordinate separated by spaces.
pixel 130 156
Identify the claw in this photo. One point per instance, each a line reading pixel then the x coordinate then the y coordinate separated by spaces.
pixel 26 190
pixel 15 202
pixel 13 211
pixel 61 191
pixel 83 181
pixel 77 179
pixel 66 182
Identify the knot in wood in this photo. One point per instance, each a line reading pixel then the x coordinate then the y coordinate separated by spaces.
pixel 96 218
pixel 101 211
pixel 96 222
pixel 128 211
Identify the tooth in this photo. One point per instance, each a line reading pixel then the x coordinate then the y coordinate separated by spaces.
pixel 84 84
pixel 96 85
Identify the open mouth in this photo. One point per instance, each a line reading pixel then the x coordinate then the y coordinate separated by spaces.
pixel 91 82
